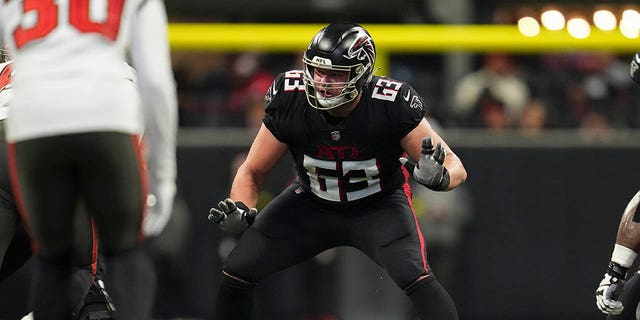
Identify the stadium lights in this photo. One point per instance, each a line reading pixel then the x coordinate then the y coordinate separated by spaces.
pixel 578 28
pixel 606 19
pixel 529 26
pixel 630 23
pixel 552 20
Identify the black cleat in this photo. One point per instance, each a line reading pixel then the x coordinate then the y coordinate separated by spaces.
pixel 97 304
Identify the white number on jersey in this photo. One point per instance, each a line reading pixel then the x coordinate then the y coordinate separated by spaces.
pixel 386 89
pixel 329 179
pixel 46 13
pixel 292 80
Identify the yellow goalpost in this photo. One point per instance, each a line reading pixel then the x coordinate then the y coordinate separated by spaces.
pixel 389 38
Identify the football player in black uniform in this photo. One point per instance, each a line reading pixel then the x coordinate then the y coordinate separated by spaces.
pixel 615 295
pixel 351 188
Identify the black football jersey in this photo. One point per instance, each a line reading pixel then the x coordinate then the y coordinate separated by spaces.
pixel 350 159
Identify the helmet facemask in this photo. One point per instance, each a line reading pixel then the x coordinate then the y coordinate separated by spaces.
pixel 322 95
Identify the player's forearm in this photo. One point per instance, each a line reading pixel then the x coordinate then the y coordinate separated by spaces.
pixel 457 172
pixel 628 237
pixel 246 187
pixel 160 136
pixel 629 229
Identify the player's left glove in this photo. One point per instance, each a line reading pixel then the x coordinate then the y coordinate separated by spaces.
pixel 232 216
pixel 610 289
pixel 634 69
pixel 430 170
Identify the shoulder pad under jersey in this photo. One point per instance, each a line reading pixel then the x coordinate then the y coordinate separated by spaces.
pixel 284 82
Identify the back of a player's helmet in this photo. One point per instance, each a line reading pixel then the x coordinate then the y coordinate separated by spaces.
pixel 4 54
pixel 339 47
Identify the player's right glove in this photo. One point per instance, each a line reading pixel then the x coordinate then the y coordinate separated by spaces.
pixel 232 216
pixel 610 289
pixel 430 170
pixel 634 69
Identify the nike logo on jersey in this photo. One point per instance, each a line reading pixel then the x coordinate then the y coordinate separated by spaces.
pixel 274 90
pixel 406 98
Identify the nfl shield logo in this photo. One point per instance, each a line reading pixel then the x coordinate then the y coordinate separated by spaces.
pixel 335 135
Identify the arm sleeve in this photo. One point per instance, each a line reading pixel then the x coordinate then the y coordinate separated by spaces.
pixel 150 56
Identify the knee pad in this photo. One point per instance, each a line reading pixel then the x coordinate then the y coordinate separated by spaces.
pixel 419 283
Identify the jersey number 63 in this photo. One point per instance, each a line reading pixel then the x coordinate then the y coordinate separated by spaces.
pixel 342 181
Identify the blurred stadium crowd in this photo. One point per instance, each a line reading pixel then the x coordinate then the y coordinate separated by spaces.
pixel 501 91
pixel 497 90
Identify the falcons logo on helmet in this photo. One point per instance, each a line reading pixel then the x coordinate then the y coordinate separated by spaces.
pixel 362 49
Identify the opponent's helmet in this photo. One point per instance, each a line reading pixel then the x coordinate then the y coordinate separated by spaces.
pixel 4 54
pixel 339 47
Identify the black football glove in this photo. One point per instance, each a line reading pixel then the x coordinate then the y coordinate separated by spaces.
pixel 634 68
pixel 430 170
pixel 232 216
pixel 610 289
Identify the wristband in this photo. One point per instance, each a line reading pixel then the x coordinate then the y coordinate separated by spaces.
pixel 623 256
pixel 617 271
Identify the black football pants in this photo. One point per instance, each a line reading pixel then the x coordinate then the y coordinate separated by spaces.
pixel 295 226
pixel 15 245
pixel 50 176
pixel 630 299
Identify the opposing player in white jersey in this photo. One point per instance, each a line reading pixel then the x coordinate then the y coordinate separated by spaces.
pixel 88 293
pixel 73 133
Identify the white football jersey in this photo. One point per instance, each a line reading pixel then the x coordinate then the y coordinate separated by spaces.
pixel 69 55
pixel 6 72
pixel 6 85
pixel 72 78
